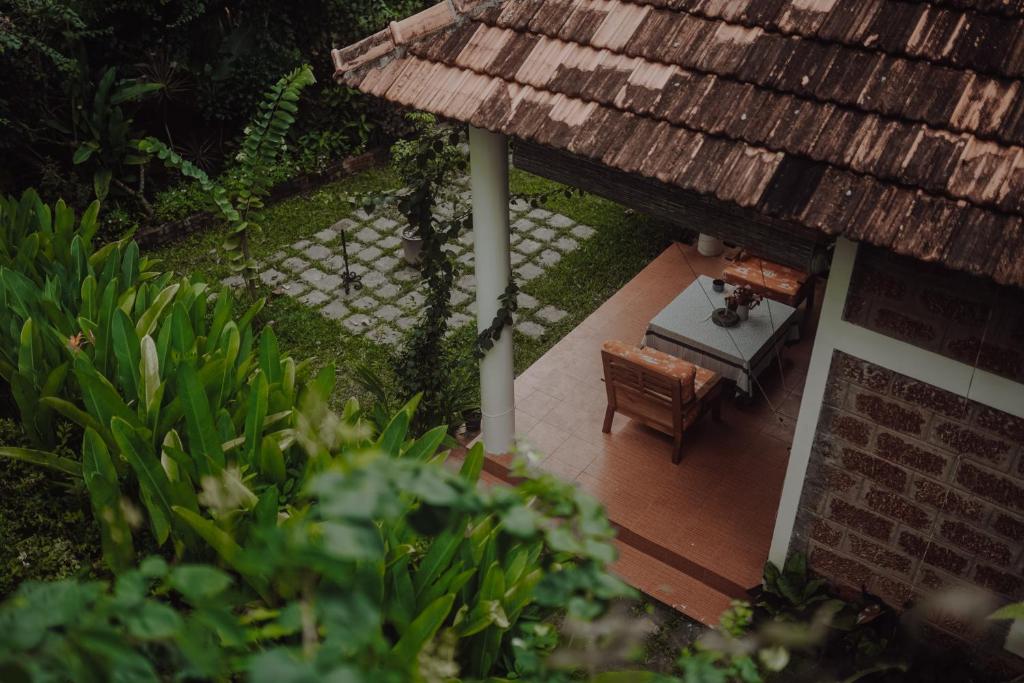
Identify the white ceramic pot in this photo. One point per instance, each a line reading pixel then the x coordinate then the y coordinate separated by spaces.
pixel 412 245
pixel 707 245
pixel 742 312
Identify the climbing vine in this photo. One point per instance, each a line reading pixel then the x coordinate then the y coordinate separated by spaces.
pixel 427 163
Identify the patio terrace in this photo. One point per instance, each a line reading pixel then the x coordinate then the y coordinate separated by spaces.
pixel 692 535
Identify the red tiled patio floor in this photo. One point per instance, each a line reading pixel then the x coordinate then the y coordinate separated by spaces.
pixel 692 535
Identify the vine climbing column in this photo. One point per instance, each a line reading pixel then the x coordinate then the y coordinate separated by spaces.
pixel 488 175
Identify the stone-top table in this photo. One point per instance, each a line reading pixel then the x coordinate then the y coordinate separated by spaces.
pixel 740 353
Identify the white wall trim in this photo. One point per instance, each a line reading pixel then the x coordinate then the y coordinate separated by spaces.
pixel 814 394
pixel 920 364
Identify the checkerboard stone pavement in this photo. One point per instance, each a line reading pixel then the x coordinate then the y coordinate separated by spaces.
pixel 391 298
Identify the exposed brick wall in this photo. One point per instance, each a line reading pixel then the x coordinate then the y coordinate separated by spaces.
pixel 911 488
pixel 960 316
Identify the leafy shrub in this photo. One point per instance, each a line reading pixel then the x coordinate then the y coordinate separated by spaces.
pixel 242 195
pixel 388 566
pixel 164 388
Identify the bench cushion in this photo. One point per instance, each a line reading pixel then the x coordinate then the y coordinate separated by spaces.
pixel 658 362
pixel 777 282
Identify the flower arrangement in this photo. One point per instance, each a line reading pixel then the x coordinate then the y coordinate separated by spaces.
pixel 743 296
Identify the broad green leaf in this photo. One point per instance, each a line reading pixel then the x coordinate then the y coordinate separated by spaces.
pixel 422 629
pixel 425 446
pixel 1012 611
pixel 473 464
pixel 199 582
pixel 484 614
pixel 435 562
pixel 270 358
pixel 73 413
pixel 391 439
pixel 153 621
pixel 272 464
pixel 147 322
pixel 203 440
pixel 105 496
pixel 43 458
pixel 254 418
pixel 149 371
pixel 225 547
pixel 153 483
pixel 126 353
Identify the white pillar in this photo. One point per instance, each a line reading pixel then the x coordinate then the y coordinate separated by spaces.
pixel 488 178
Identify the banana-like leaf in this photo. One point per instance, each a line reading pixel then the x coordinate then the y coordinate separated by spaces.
pixel 226 548
pixel 270 358
pixel 484 614
pixel 73 413
pixel 105 496
pixel 43 459
pixel 149 371
pixel 391 439
pixel 473 464
pixel 127 354
pixel 271 463
pixel 254 418
pixel 203 440
pixel 425 446
pixel 153 483
pixel 422 629
pixel 147 323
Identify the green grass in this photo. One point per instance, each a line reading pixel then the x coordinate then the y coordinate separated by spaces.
pixel 301 331
pixel 625 242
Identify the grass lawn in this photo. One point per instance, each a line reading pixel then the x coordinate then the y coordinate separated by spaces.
pixel 623 244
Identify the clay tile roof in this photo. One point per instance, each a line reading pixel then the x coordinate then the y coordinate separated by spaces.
pixel 894 122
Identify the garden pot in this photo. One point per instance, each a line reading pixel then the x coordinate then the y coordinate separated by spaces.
pixel 708 245
pixel 473 419
pixel 412 246
pixel 742 312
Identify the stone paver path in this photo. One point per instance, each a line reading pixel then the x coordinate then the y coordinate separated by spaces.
pixel 391 298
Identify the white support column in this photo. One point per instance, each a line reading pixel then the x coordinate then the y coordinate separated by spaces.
pixel 488 178
pixel 829 325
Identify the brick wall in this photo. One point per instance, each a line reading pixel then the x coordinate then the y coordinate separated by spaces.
pixel 966 318
pixel 911 488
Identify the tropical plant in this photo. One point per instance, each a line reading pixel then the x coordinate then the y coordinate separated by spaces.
pixel 389 567
pixel 56 291
pixel 103 133
pixel 240 197
pixel 171 395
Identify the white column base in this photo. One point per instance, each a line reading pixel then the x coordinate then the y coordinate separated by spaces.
pixel 488 179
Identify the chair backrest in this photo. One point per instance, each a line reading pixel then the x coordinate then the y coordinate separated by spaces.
pixel 645 378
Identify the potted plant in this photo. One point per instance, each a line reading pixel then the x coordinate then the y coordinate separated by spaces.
pixel 741 300
pixel 426 163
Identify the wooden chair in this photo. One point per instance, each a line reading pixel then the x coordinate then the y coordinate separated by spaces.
pixel 772 281
pixel 663 392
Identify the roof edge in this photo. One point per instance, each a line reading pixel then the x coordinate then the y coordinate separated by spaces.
pixel 431 20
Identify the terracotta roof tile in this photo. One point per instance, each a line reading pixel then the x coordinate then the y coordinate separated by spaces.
pixel 896 123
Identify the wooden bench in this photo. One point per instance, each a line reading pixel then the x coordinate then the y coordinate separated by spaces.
pixel 663 392
pixel 773 281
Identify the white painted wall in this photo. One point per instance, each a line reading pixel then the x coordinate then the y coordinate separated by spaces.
pixel 488 181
